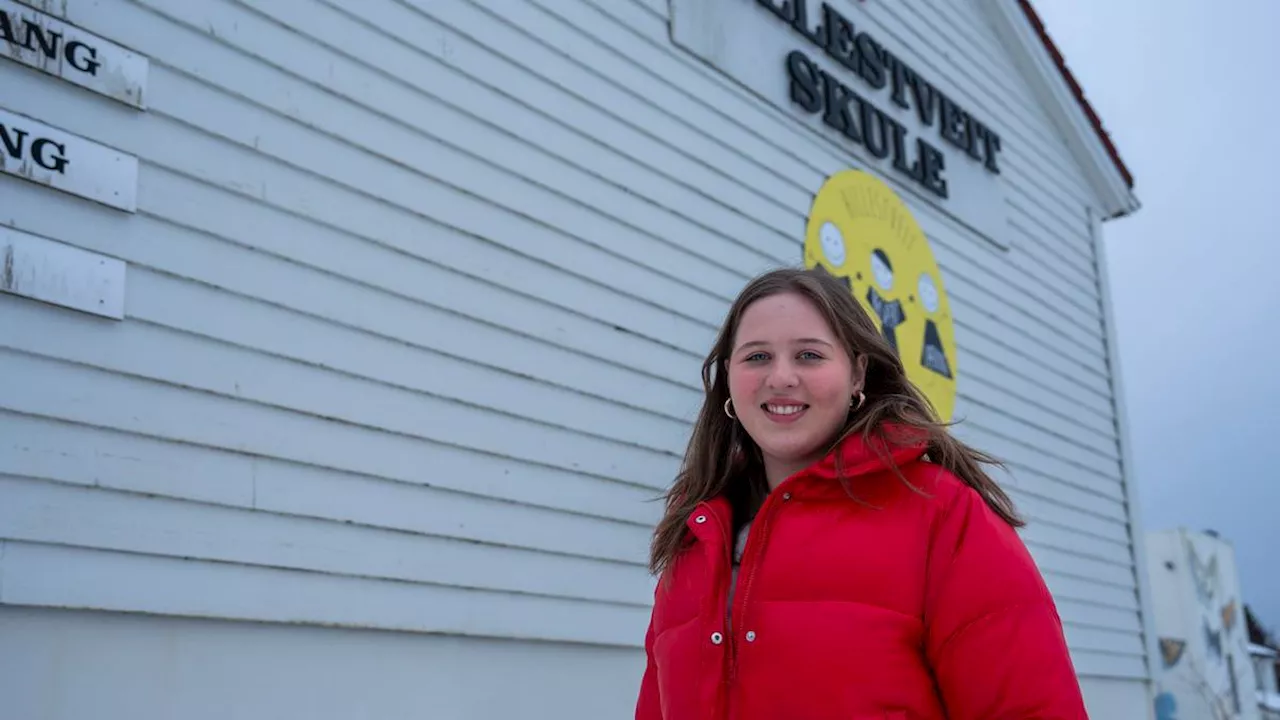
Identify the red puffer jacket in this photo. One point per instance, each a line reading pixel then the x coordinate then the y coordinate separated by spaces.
pixel 904 606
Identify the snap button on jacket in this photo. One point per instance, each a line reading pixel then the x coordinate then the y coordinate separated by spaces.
pixel 905 604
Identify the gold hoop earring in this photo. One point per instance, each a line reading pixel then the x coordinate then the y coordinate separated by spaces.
pixel 727 411
pixel 862 397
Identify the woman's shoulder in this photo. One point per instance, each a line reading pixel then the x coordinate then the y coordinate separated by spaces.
pixel 938 486
pixel 941 496
pixel 960 515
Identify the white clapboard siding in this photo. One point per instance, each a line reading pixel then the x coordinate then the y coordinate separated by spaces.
pixel 65 576
pixel 991 326
pixel 1098 617
pixel 1050 510
pixel 1051 357
pixel 88 517
pixel 535 506
pixel 1101 385
pixel 1063 188
pixel 265 418
pixel 418 295
pixel 315 356
pixel 240 277
pixel 139 465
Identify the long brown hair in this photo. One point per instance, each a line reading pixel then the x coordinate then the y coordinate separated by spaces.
pixel 721 458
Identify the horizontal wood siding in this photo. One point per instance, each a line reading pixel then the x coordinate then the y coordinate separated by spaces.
pixel 417 298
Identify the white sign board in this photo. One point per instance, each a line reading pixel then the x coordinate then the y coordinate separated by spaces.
pixel 45 155
pixel 59 274
pixel 824 64
pixel 41 41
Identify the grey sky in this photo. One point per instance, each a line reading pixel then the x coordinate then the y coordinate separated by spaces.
pixel 1187 91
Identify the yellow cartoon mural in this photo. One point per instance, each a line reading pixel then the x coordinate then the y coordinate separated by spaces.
pixel 860 231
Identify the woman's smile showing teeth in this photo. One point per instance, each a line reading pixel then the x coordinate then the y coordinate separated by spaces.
pixel 784 412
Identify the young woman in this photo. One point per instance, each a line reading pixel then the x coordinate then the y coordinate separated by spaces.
pixel 829 551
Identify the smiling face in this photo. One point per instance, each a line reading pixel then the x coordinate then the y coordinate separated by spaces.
pixel 791 382
pixel 832 244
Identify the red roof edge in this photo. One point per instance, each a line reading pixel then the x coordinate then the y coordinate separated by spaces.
pixel 1076 90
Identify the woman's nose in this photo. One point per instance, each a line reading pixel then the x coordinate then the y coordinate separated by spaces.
pixel 782 375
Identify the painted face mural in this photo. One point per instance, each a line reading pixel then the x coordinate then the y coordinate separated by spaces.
pixel 832 244
pixel 861 231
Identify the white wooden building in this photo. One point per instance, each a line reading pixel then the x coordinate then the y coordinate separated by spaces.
pixel 1205 670
pixel 346 345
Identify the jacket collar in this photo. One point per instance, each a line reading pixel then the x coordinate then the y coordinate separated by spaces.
pixel 854 457
pixel 857 456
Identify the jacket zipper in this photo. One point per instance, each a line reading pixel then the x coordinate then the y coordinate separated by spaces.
pixel 728 544
pixel 740 601
pixel 740 598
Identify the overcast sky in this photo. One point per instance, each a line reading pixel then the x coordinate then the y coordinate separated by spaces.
pixel 1187 91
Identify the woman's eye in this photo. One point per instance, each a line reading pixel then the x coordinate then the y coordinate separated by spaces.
pixel 755 357
pixel 810 355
